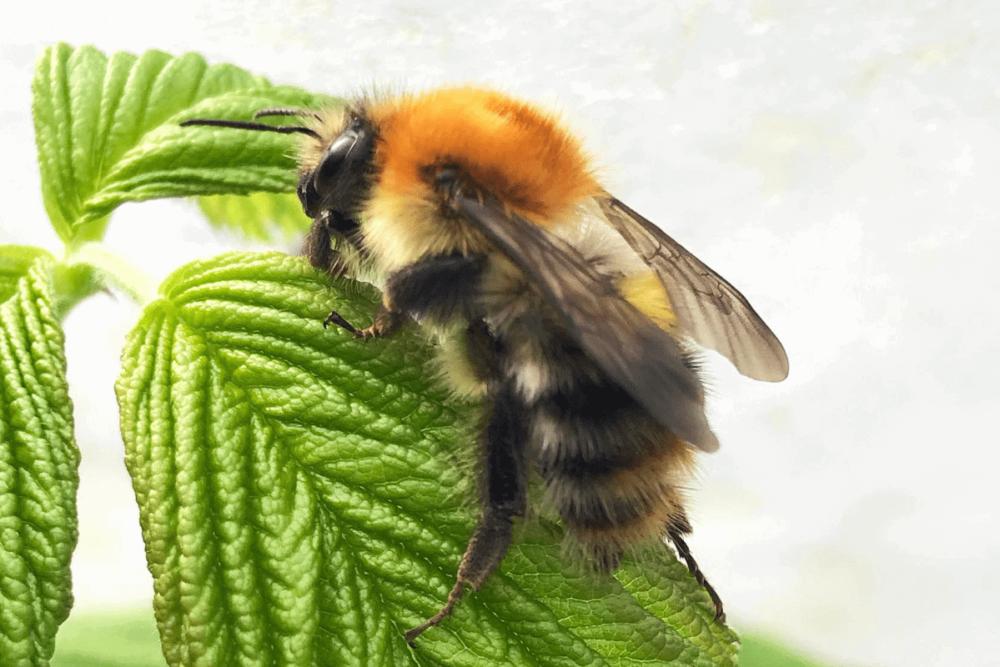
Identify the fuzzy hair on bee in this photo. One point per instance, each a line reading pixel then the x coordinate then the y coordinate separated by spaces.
pixel 481 214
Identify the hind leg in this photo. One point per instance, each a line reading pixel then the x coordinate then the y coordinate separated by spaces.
pixel 503 491
pixel 676 531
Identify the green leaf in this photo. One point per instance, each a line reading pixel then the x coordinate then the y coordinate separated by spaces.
pixel 107 133
pixel 128 639
pixel 15 260
pixel 38 462
pixel 762 652
pixel 115 639
pixel 305 498
pixel 260 216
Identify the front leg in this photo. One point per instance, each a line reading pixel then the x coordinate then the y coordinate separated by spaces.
pixel 437 288
pixel 386 322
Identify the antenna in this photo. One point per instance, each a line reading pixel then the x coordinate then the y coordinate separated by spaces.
pixel 256 127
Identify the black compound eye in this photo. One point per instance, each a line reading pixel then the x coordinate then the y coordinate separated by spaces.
pixel 328 169
pixel 331 168
pixel 336 182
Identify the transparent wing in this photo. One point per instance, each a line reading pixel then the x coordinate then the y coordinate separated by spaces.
pixel 623 342
pixel 709 310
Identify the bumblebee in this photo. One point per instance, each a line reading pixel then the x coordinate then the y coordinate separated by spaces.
pixel 479 213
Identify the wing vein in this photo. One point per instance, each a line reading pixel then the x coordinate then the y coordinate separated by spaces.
pixel 709 309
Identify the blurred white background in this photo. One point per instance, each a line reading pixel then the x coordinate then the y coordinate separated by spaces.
pixel 838 164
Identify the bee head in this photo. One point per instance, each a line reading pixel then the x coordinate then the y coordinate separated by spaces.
pixel 339 181
pixel 336 177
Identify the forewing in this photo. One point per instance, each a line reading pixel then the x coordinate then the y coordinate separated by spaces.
pixel 623 342
pixel 709 310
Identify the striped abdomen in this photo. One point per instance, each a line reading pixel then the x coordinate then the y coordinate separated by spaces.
pixel 612 472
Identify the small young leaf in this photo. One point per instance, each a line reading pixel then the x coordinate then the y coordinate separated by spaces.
pixel 260 216
pixel 38 462
pixel 107 132
pixel 305 497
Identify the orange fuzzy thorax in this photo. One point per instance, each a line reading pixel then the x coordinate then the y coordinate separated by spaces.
pixel 510 148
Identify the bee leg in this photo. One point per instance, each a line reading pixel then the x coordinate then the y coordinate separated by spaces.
pixel 676 536
pixel 438 287
pixel 486 549
pixel 386 322
pixel 503 488
pixel 483 350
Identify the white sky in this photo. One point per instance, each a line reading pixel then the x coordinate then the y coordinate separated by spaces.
pixel 839 165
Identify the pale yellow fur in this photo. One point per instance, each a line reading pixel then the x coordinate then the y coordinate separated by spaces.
pixel 399 230
pixel 453 364
pixel 328 124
